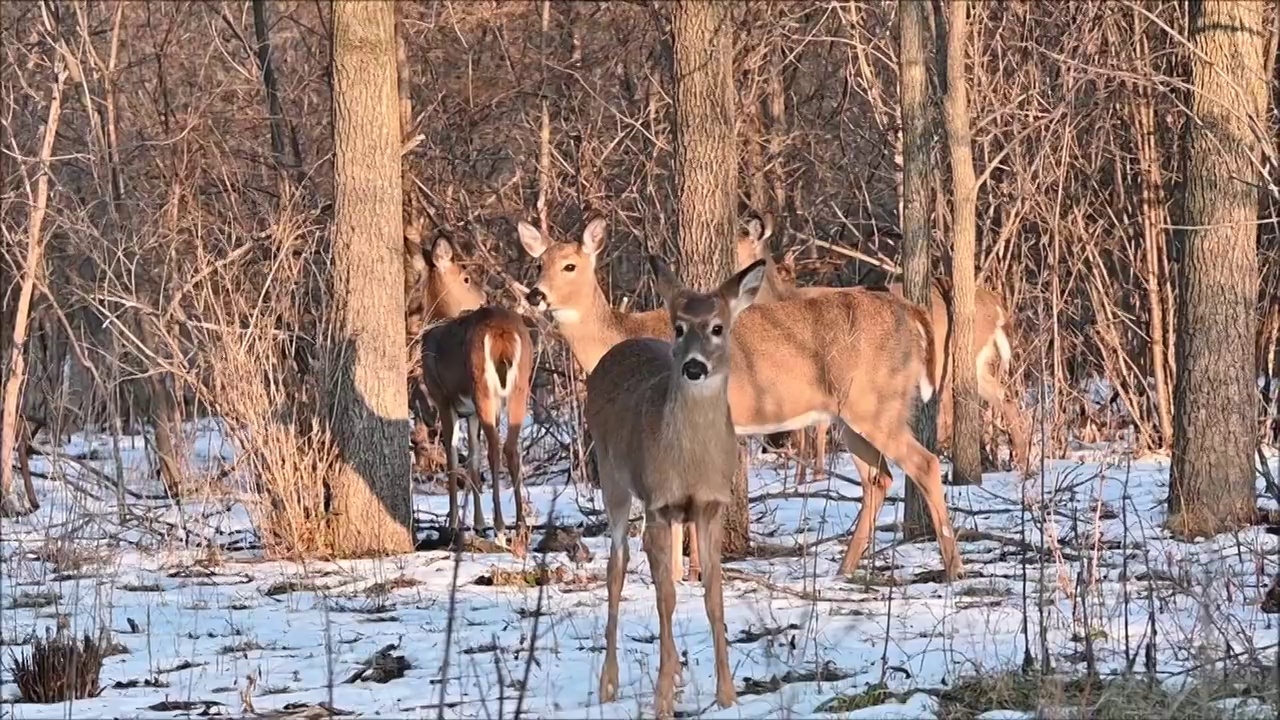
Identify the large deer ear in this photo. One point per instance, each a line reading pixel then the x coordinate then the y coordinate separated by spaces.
pixel 593 237
pixel 740 290
pixel 531 238
pixel 442 253
pixel 669 286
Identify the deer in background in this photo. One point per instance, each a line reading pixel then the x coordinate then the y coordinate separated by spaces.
pixel 991 335
pixel 436 288
pixel 473 367
pixel 861 357
pixel 659 415
pixel 472 360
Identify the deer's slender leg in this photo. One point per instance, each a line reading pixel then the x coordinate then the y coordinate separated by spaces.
pixel 922 467
pixel 487 409
pixel 473 469
pixel 677 551
pixel 657 545
pixel 618 506
pixel 494 446
pixel 708 537
pixel 448 421
pixel 820 450
pixel 875 485
pixel 695 560
pixel 516 407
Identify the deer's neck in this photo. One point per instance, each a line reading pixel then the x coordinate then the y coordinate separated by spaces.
pixel 691 407
pixel 773 289
pixel 591 330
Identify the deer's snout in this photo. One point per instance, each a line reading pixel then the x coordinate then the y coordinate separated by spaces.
pixel 536 298
pixel 694 370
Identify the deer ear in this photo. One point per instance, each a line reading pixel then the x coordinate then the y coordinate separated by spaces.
pixel 531 238
pixel 669 286
pixel 593 237
pixel 740 290
pixel 442 253
pixel 753 228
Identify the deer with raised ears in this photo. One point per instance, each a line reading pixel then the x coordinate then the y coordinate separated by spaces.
pixel 991 335
pixel 473 367
pixel 659 415
pixel 437 288
pixel 861 357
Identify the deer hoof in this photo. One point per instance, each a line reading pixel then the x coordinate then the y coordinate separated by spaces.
pixel 727 694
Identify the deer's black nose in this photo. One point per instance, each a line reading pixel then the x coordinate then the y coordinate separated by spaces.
pixel 694 370
pixel 536 297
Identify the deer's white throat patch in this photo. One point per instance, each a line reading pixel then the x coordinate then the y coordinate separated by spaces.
pixel 568 316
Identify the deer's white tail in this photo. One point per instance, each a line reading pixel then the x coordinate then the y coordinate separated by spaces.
pixel 925 329
pixel 501 355
pixel 1002 346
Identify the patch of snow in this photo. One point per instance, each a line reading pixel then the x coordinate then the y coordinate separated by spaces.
pixel 1076 552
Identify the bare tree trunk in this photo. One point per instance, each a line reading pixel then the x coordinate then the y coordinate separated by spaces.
pixel 275 109
pixel 421 438
pixel 1154 220
pixel 17 370
pixel 167 425
pixel 966 434
pixel 913 92
pixel 778 132
pixel 545 178
pixel 1216 396
pixel 706 160
pixel 370 501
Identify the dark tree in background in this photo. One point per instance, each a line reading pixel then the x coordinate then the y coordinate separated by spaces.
pixel 1216 396
pixel 966 437
pixel 917 275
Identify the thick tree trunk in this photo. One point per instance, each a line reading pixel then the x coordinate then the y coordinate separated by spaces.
pixel 913 92
pixel 370 501
pixel 966 435
pixel 1215 395
pixel 706 161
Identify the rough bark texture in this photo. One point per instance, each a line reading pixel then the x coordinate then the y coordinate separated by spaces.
pixel 917 275
pixel 966 437
pixel 706 160
pixel 1215 395
pixel 370 497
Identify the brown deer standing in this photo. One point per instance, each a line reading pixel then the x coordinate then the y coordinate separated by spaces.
pixel 473 366
pixel 860 357
pixel 991 334
pixel 659 415
pixel 436 288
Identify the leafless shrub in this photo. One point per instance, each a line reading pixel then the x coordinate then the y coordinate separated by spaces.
pixel 59 669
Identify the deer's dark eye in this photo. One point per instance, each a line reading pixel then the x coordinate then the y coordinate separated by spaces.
pixel 680 330
pixel 717 330
pixel 570 267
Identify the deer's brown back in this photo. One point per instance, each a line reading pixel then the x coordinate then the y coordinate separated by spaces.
pixel 856 353
pixel 453 352
pixel 842 351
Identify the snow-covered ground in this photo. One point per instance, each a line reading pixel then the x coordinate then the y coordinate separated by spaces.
pixel 1075 554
